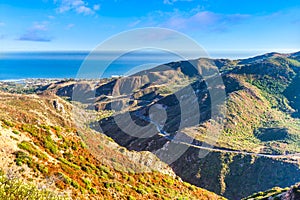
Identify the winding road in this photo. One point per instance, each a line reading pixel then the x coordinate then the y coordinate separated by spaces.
pixel 163 133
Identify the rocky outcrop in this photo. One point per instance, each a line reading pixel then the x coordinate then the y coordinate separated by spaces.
pixel 58 106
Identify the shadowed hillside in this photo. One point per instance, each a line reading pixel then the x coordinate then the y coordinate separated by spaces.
pixel 257 148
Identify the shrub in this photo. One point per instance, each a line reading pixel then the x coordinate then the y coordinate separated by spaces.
pixel 105 169
pixel 86 169
pixel 65 178
pixel 45 127
pixel 131 179
pixel 42 168
pixel 131 198
pixel 15 189
pixel 83 145
pixel 69 163
pixel 57 129
pixel 22 158
pixel 34 131
pixel 82 190
pixel 169 181
pixel 49 144
pixel 107 185
pixel 88 183
pixel 27 146
pixel 8 123
pixel 105 172
pixel 14 138
pixel 140 190
pixel 74 146
pixel 69 155
pixel 92 166
pixel 94 190
pixel 75 184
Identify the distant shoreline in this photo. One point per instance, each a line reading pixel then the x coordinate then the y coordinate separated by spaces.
pixel 20 66
pixel 27 80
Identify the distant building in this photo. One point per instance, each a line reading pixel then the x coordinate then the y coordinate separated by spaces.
pixel 116 76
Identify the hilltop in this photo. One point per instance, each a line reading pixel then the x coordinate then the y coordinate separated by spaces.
pixel 256 150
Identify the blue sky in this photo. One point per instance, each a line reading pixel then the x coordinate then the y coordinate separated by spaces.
pixel 217 25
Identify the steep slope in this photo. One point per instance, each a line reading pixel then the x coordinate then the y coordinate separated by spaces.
pixel 13 188
pixel 259 120
pixel 292 193
pixel 41 143
pixel 259 143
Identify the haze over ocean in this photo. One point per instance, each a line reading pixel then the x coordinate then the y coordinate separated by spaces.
pixel 24 65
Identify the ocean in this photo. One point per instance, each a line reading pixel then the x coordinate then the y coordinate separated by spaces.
pixel 23 65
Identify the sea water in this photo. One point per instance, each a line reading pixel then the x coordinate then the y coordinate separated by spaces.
pixel 23 65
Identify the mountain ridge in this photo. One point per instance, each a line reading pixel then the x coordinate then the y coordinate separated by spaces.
pixel 261 118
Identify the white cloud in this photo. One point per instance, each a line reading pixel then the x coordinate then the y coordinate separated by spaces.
pixel 2 24
pixel 133 24
pixel 40 26
pixel 69 26
pixel 171 2
pixel 200 19
pixel 79 6
pixel 84 10
pixel 37 32
pixel 51 17
pixel 196 19
pixel 96 7
pixel 35 37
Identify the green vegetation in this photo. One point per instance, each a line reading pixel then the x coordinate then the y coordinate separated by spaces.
pixel 271 134
pixel 50 145
pixel 262 102
pixel 42 168
pixel 15 189
pixel 65 178
pixel 16 132
pixel 8 123
pixel 32 150
pixel 32 129
pixel 164 90
pixel 22 158
pixel 229 174
pixel 70 164
pixel 88 183
pixel 272 85
pixel 60 151
pixel 274 192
